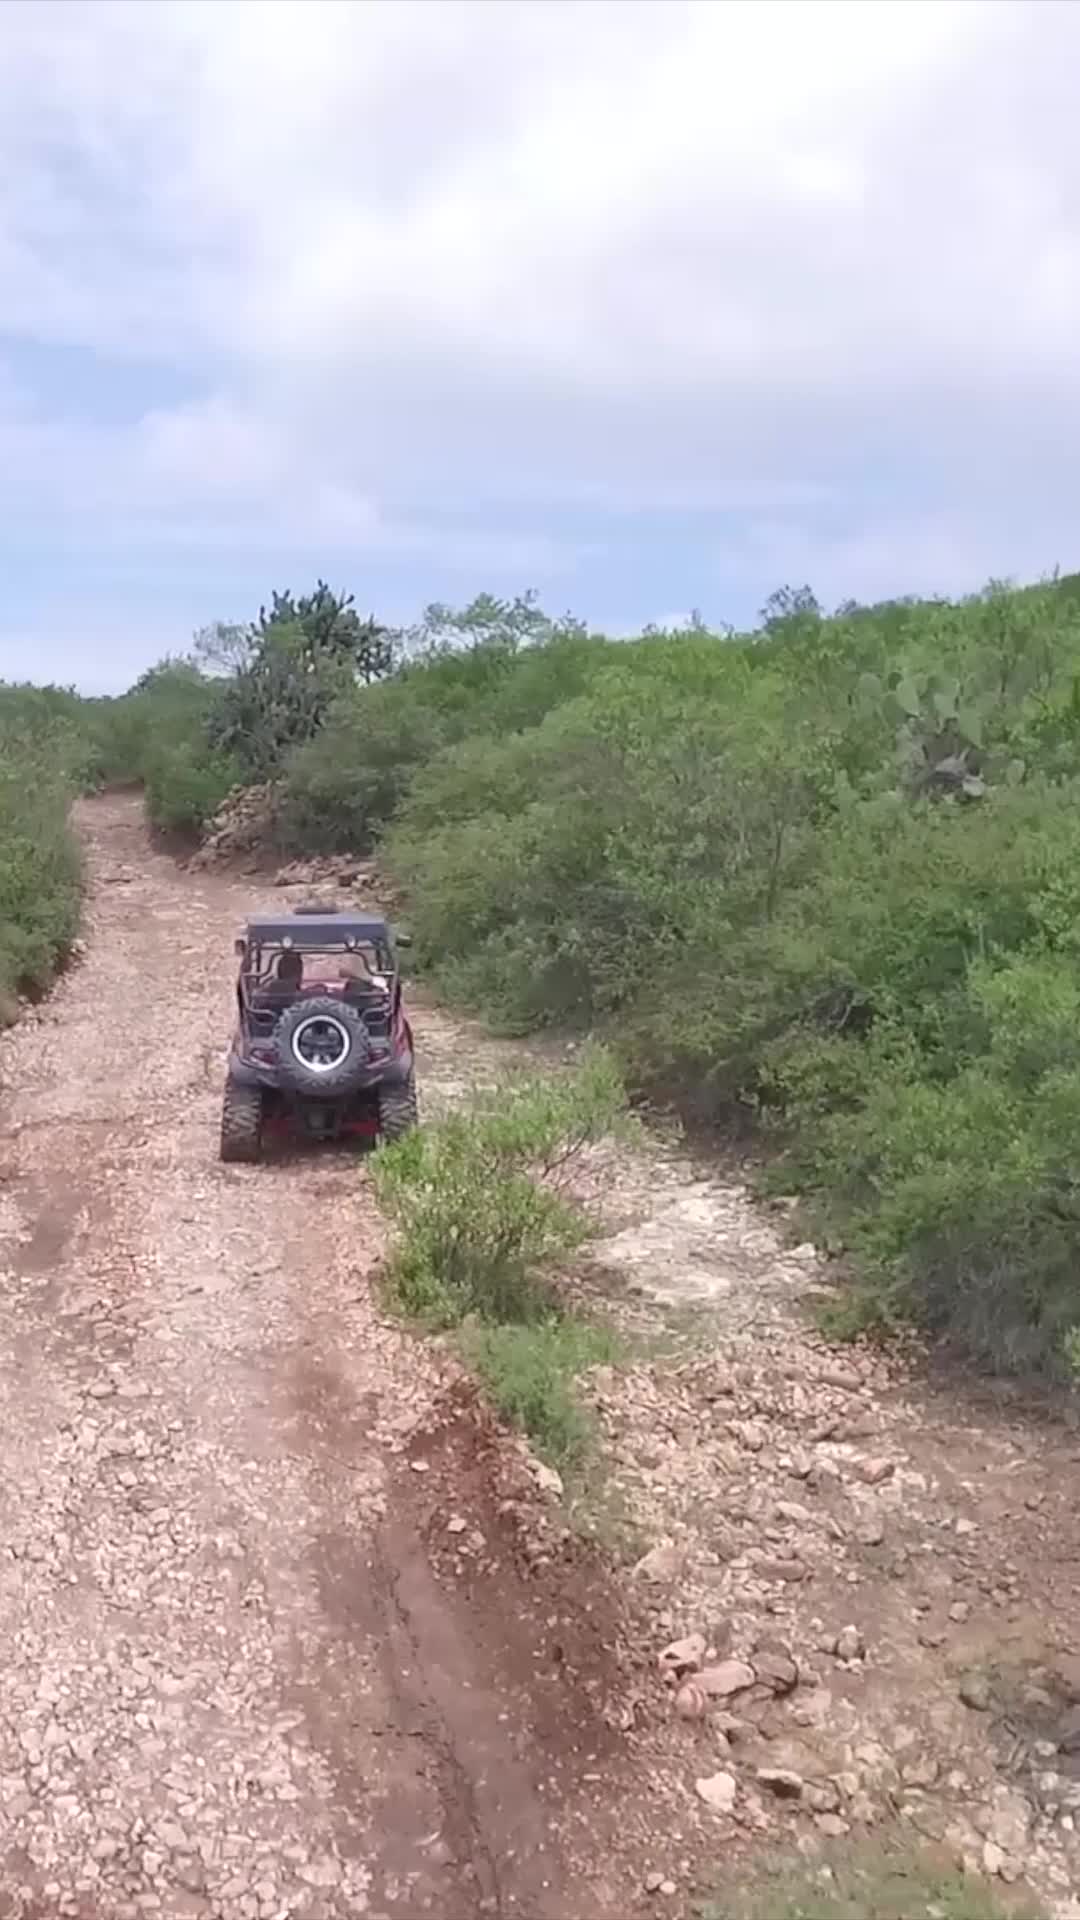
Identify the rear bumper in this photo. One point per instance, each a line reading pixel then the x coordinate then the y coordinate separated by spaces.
pixel 392 1072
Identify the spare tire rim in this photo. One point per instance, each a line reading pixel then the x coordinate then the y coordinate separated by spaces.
pixel 321 1043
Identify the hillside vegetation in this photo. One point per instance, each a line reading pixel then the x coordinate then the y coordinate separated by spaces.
pixel 822 878
pixel 45 755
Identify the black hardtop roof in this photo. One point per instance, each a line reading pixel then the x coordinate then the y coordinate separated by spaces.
pixel 316 929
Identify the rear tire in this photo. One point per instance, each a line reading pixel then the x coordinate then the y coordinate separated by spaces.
pixel 241 1124
pixel 398 1110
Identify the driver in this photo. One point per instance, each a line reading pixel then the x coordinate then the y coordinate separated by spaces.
pixel 289 972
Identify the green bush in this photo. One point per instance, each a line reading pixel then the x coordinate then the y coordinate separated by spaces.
pixel 45 755
pixel 342 787
pixel 529 1371
pixel 478 1198
pixel 822 877
pixel 480 1209
pixel 159 736
pixel 185 785
pixel 962 1196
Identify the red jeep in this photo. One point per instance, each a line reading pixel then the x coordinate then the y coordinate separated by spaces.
pixel 322 1043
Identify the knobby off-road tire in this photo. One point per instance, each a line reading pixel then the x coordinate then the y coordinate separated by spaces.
pixel 241 1123
pixel 398 1110
pixel 304 1024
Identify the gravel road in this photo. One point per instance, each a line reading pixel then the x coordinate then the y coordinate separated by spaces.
pixel 286 1628
pixel 233 1684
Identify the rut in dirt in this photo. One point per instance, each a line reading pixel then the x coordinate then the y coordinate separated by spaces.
pixel 236 1683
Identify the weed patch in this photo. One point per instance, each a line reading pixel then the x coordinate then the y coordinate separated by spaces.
pixel 481 1208
pixel 528 1372
pixel 43 756
pixel 869 1885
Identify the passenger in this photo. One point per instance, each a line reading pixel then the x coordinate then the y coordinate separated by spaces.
pixel 360 988
pixel 289 972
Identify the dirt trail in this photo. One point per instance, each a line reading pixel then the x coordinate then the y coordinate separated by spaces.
pixel 233 1683
pixel 251 1671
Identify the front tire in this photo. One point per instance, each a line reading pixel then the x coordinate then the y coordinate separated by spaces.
pixel 398 1110
pixel 241 1124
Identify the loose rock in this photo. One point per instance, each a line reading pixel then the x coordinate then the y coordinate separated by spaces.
pixel 791 1511
pixel 780 1780
pixel 789 1570
pixel 875 1472
pixel 775 1666
pixel 822 1796
pixel 1065 1674
pixel 682 1656
pixel 1008 1821
pixel 692 1702
pixel 728 1677
pixel 546 1478
pixel 849 1644
pixel 974 1691
pixel 717 1791
pixel 661 1565
pixel 1068 1731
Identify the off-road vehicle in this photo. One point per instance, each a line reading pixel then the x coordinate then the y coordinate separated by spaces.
pixel 322 1043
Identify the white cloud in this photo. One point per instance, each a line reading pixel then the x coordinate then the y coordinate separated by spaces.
pixel 461 283
pixel 545 184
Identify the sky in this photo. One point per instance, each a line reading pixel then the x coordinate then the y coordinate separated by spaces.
pixel 649 307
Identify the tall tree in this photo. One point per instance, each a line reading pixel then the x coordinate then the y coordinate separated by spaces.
pixel 286 670
pixel 333 629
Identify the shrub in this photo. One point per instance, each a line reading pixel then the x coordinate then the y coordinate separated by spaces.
pixel 340 788
pixel 479 1198
pixel 185 785
pixel 40 882
pixel 346 783
pixel 529 1372
pixel 159 735
pixel 44 756
pixel 828 878
pixel 479 1204
pixel 963 1198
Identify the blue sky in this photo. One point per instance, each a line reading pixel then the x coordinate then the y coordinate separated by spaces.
pixel 650 307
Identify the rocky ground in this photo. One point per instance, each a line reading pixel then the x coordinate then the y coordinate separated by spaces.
pixel 869 1575
pixel 288 1626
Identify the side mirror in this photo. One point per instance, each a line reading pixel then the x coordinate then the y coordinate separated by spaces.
pixel 403 939
pixel 240 948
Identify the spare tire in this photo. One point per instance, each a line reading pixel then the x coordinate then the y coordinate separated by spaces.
pixel 323 1047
